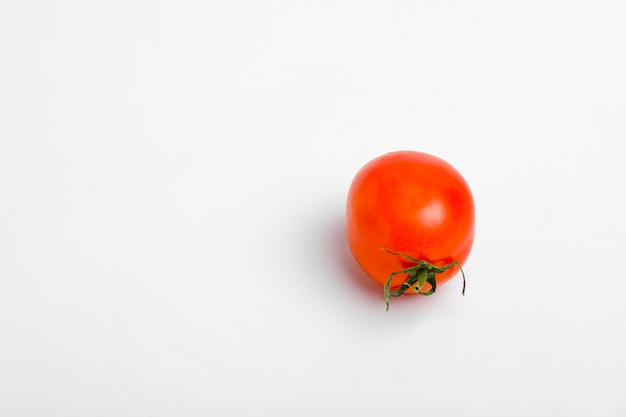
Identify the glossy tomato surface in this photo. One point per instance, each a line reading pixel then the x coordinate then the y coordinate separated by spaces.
pixel 411 203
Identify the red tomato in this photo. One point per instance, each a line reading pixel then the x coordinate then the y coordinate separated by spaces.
pixel 410 222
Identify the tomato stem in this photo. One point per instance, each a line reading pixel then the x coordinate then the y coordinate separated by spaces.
pixel 416 277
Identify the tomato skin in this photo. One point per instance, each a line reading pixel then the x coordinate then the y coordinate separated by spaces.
pixel 412 203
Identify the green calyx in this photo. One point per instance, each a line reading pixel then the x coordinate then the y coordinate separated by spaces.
pixel 417 276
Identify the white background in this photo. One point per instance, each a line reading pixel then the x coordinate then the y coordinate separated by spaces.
pixel 172 186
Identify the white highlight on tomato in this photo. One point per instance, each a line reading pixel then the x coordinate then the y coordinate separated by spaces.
pixel 432 214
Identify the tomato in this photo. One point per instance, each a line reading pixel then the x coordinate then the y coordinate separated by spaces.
pixel 410 222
